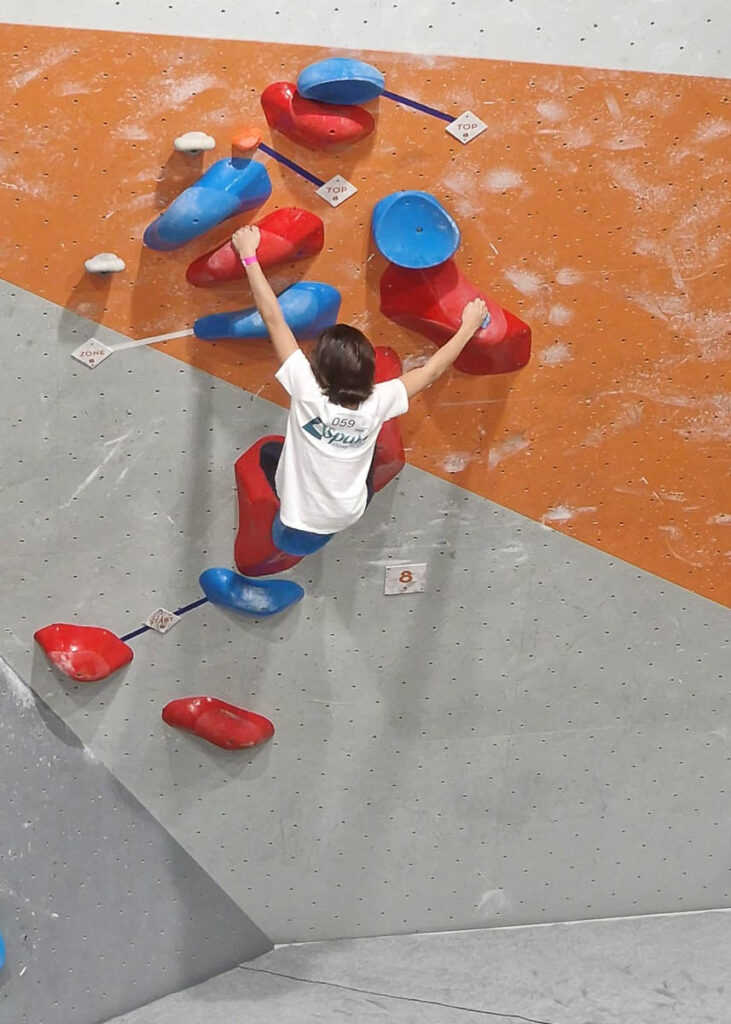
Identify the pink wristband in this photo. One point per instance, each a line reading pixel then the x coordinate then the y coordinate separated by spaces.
pixel 248 260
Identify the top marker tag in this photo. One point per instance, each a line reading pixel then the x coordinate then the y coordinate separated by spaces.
pixel 336 190
pixel 466 127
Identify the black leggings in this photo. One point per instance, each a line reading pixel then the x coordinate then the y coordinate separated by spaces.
pixel 271 452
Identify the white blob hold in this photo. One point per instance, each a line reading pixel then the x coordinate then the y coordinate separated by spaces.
pixel 104 263
pixel 501 179
pixel 560 315
pixel 569 275
pixel 556 354
pixel 194 142
pixel 456 462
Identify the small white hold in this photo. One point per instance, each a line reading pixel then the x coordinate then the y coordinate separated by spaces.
pixel 194 143
pixel 104 263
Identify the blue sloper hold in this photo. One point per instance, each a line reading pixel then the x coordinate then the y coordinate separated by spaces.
pixel 340 80
pixel 228 187
pixel 252 597
pixel 308 307
pixel 412 229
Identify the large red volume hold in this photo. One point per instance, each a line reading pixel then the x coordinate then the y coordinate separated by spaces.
pixel 431 301
pixel 390 457
pixel 312 124
pixel 83 653
pixel 224 725
pixel 286 235
pixel 254 551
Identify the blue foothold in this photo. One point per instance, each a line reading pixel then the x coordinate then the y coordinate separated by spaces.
pixel 341 80
pixel 258 598
pixel 308 307
pixel 412 229
pixel 228 188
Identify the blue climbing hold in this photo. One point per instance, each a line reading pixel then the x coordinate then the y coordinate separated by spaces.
pixel 412 229
pixel 308 307
pixel 340 80
pixel 297 542
pixel 252 597
pixel 228 188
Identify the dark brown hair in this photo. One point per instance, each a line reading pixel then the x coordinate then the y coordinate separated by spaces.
pixel 344 365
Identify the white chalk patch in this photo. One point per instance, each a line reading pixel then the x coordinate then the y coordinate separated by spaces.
pixel 552 110
pixel 501 179
pixel 712 129
pixel 559 315
pixel 21 693
pixel 569 275
pixel 456 462
pixel 564 513
pixel 525 281
pixel 555 355
pixel 510 446
pixel 724 519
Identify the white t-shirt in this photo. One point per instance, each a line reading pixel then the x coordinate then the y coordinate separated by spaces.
pixel 328 449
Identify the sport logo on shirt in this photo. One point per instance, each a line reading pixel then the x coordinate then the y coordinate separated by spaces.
pixel 317 428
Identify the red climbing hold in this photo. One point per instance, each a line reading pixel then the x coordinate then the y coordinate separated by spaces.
pixel 312 124
pixel 431 301
pixel 83 653
pixel 254 551
pixel 286 235
pixel 222 724
pixel 390 458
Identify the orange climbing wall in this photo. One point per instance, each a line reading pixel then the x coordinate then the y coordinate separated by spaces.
pixel 594 207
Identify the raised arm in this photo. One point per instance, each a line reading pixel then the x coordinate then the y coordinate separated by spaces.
pixel 422 377
pixel 245 241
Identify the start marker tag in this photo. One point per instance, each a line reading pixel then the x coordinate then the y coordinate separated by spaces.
pixel 92 352
pixel 336 190
pixel 162 620
pixel 466 127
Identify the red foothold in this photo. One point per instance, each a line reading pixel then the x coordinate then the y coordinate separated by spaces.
pixel 224 725
pixel 254 551
pixel 83 653
pixel 312 124
pixel 286 235
pixel 431 301
pixel 390 457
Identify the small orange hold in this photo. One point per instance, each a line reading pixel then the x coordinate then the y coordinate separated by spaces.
pixel 247 138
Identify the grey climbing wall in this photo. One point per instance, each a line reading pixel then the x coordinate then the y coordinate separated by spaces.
pixel 541 736
pixel 101 909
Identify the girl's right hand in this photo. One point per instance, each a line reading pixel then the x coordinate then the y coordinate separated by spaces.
pixel 474 314
pixel 246 240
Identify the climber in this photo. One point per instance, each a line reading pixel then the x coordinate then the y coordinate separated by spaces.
pixel 322 472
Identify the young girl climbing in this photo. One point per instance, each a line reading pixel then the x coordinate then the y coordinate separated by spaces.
pixel 322 472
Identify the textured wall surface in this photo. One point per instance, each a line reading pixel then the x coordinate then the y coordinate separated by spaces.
pixel 101 910
pixel 682 36
pixel 540 736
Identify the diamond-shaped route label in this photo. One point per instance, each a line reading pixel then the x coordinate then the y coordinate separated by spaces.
pixel 162 620
pixel 466 127
pixel 92 352
pixel 336 190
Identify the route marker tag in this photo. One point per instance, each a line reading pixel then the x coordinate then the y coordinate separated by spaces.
pixel 92 352
pixel 466 127
pixel 405 579
pixel 162 620
pixel 336 190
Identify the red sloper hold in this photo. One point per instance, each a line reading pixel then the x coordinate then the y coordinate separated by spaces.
pixel 254 550
pixel 390 458
pixel 431 301
pixel 222 724
pixel 286 235
pixel 312 124
pixel 83 653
